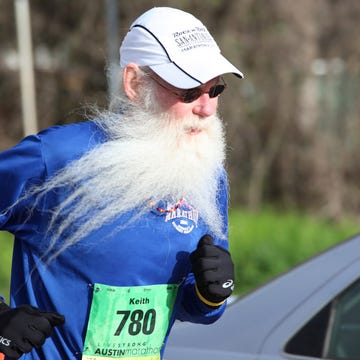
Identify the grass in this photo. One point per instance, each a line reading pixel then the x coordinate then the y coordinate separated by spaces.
pixel 6 244
pixel 268 243
pixel 263 244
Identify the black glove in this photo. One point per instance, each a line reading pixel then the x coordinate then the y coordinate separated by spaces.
pixel 24 328
pixel 213 270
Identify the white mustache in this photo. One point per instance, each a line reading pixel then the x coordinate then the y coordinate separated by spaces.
pixel 191 124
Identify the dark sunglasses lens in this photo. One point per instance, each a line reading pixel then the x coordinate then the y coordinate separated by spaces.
pixel 216 90
pixel 191 95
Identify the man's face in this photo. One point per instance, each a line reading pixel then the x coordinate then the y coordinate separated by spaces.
pixel 202 107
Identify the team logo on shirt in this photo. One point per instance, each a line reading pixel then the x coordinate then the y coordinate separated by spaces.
pixel 184 219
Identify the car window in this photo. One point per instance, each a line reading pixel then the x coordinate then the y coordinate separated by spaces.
pixel 334 332
pixel 310 340
pixel 343 338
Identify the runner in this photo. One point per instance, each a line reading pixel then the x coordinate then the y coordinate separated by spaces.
pixel 120 222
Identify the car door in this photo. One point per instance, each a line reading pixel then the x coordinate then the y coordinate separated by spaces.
pixel 324 326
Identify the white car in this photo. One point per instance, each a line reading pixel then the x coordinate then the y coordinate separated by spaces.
pixel 310 312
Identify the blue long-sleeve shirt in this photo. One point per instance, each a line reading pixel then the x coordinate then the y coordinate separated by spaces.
pixel 149 251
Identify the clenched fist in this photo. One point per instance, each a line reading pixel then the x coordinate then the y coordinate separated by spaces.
pixel 213 270
pixel 25 327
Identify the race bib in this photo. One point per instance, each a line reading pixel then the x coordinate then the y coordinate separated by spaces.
pixel 128 322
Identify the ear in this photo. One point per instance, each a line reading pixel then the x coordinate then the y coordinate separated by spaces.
pixel 132 81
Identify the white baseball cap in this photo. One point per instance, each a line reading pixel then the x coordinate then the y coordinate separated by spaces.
pixel 176 46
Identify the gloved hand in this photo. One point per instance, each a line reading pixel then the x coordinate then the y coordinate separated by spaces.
pixel 24 328
pixel 213 270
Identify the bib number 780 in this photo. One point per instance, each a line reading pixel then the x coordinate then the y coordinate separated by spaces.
pixel 137 321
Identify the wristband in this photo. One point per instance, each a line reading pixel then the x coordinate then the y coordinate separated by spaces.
pixel 207 302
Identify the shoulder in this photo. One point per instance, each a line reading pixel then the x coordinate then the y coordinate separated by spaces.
pixel 84 133
pixel 62 144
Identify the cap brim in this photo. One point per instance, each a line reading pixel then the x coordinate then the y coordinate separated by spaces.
pixel 194 73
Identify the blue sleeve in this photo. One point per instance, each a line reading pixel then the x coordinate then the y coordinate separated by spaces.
pixel 192 308
pixel 20 167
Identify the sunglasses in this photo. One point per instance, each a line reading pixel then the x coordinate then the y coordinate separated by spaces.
pixel 190 95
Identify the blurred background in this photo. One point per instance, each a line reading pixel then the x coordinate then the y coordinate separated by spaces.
pixel 293 123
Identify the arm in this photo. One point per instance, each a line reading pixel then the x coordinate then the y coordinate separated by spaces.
pixel 212 278
pixel 23 327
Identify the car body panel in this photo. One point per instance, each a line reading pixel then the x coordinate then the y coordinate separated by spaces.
pixel 258 325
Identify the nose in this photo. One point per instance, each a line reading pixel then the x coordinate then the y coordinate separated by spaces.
pixel 205 106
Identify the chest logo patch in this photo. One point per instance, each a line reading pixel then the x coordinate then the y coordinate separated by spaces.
pixel 184 219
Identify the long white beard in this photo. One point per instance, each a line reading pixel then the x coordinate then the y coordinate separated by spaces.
pixel 148 158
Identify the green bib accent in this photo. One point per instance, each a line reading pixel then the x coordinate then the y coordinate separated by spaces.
pixel 128 322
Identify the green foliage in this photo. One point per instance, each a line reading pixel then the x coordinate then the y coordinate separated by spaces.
pixel 267 243
pixel 6 244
